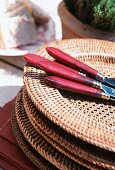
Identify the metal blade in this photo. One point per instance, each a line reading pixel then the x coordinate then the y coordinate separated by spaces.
pixel 112 98
pixel 109 81
pixel 108 90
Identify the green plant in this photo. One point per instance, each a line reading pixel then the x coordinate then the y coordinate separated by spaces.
pixel 98 13
pixel 104 15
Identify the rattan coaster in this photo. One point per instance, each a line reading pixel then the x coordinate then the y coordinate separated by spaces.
pixel 87 118
pixel 36 159
pixel 39 143
pixel 62 140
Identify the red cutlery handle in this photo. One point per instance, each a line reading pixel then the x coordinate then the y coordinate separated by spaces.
pixel 33 59
pixel 57 69
pixel 71 61
pixel 61 83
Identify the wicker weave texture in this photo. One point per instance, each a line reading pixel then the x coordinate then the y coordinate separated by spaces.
pixel 35 158
pixel 87 118
pixel 39 143
pixel 66 142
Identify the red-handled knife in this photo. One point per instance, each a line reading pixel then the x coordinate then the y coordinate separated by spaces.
pixel 76 64
pixel 65 84
pixel 60 70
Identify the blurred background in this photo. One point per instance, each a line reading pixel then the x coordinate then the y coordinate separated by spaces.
pixel 14 27
pixel 26 25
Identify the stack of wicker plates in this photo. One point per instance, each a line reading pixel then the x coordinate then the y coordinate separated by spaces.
pixel 58 129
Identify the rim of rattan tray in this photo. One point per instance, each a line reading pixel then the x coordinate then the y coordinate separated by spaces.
pixel 90 119
pixel 36 159
pixel 44 148
pixel 65 151
pixel 53 133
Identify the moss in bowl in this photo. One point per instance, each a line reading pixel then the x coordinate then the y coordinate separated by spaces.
pixel 98 13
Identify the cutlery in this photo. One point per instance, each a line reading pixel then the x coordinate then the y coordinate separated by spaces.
pixel 61 56
pixel 60 70
pixel 61 83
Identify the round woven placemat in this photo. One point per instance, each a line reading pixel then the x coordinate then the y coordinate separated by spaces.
pixel 39 143
pixel 87 118
pixel 62 140
pixel 35 158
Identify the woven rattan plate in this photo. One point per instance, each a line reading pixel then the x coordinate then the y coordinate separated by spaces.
pixel 58 137
pixel 39 143
pixel 36 159
pixel 87 118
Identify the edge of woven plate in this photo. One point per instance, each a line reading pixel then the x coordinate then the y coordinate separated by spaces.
pixel 45 111
pixel 47 151
pixel 33 156
pixel 43 124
